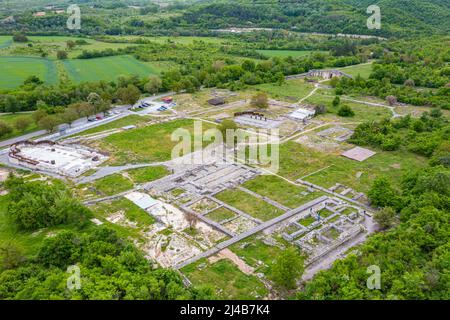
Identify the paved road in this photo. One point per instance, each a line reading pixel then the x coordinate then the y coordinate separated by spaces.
pixel 28 136
pixel 82 123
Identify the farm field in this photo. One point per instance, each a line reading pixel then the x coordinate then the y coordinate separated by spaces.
pixel 180 39
pixel 16 69
pixel 106 68
pixel 51 44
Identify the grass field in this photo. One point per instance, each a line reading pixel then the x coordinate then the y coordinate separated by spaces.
pixel 112 184
pixel 146 144
pixel 293 88
pixel 131 211
pixel 285 53
pixel 16 69
pixel 107 68
pixel 297 161
pixel 181 39
pixel 253 206
pixel 11 119
pixel 147 174
pixel 362 112
pixel 279 190
pixel 221 214
pixel 228 281
pixel 254 251
pixel 5 41
pixel 364 70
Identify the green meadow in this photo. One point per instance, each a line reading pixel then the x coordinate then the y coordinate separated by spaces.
pixel 106 68
pixel 364 70
pixel 285 53
pixel 16 69
pixel 297 161
pixel 5 41
pixel 297 89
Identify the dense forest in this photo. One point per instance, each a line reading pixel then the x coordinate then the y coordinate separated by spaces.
pixel 413 256
pixel 110 267
pixel 414 72
pixel 400 18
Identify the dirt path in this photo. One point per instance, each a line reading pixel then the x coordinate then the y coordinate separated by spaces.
pixel 228 254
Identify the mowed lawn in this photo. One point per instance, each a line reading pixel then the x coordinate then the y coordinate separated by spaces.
pixel 16 69
pixel 146 144
pixel 106 68
pixel 285 53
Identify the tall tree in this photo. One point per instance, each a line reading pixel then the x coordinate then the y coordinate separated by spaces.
pixel 288 268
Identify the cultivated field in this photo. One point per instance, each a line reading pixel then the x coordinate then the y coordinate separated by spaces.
pixel 107 68
pixel 16 69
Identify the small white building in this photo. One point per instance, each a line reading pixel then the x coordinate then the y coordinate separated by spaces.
pixel 302 114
